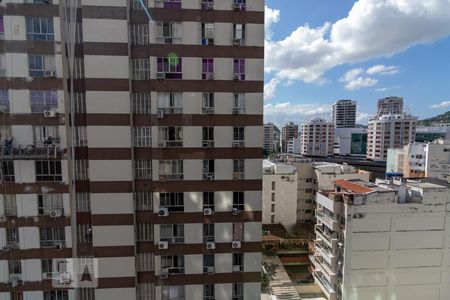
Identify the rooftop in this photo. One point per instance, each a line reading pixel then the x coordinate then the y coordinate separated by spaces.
pixel 354 186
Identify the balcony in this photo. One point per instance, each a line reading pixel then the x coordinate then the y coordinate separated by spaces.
pixel 328 238
pixel 326 271
pixel 238 144
pixel 325 286
pixel 172 110
pixel 208 110
pixel 238 110
pixel 207 144
pixel 173 176
pixel 31 152
pixel 170 144
pixel 326 254
pixel 329 200
pixel 328 220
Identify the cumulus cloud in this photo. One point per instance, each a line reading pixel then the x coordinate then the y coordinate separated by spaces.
pixel 280 113
pixel 443 104
pixel 383 70
pixel 372 28
pixel 270 89
pixel 354 80
pixel 271 16
pixel 379 90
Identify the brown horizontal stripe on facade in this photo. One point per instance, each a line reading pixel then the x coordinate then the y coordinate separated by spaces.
pixel 38 47
pixel 105 12
pixel 185 249
pixel 41 253
pixel 114 251
pixel 34 188
pixel 199 217
pixel 36 221
pixel 30 10
pixel 29 83
pixel 112 219
pixel 197 15
pixel 34 119
pixel 116 282
pixel 146 86
pixel 191 279
pixel 110 187
pixel 167 153
pixel 143 277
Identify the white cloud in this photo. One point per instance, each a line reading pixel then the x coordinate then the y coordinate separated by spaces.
pixel 372 28
pixel 271 16
pixel 280 113
pixel 362 118
pixel 379 90
pixel 354 81
pixel 270 89
pixel 383 70
pixel 443 104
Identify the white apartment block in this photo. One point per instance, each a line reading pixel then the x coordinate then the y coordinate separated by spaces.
pixel 317 138
pixel 387 240
pixel 350 141
pixel 438 160
pixel 344 114
pixel 271 138
pixel 135 142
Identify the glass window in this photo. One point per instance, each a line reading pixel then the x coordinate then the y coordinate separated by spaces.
pixel 172 292
pixel 171 169
pixel 144 232
pixel 48 171
pixel 170 67
pixel 140 69
pixel 238 200
pixel 174 263
pixel 169 3
pixel 9 205
pixel 208 233
pixel 208 262
pixel 238 291
pixel 208 292
pixel 49 202
pixel 143 169
pixel 173 233
pixel 15 269
pixel 171 103
pixel 7 171
pixel 12 237
pixel 208 103
pixel 56 295
pixel 40 65
pixel 143 201
pixel 168 33
pixel 2 65
pixel 142 136
pixel 139 34
pixel 208 200
pixel 239 69
pixel 141 104
pixel 40 29
pixel 46 135
pixel 207 68
pixel 2 28
pixel 52 236
pixel 172 201
pixel 4 101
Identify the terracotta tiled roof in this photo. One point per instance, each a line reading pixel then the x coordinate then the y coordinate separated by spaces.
pixel 353 187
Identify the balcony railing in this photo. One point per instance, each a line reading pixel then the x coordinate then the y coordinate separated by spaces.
pixel 238 175
pixel 31 152
pixel 173 176
pixel 328 220
pixel 170 143
pixel 208 175
pixel 172 110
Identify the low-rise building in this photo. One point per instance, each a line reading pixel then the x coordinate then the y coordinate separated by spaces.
pixel 438 160
pixel 409 161
pixel 431 133
pixel 387 240
pixel 350 141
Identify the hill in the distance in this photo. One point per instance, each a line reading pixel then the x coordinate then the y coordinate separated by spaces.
pixel 440 119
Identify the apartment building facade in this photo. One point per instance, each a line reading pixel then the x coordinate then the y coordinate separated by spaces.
pixel 133 139
pixel 344 114
pixel 288 131
pixel 382 241
pixel 317 138
pixel 271 138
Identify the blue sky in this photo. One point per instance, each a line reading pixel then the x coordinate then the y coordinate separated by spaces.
pixel 319 51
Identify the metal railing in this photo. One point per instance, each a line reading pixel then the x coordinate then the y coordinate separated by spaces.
pixel 31 152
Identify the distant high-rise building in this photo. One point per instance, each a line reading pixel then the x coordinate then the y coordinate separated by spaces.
pixel 133 143
pixel 390 128
pixel 344 114
pixel 288 131
pixel 271 138
pixel 317 138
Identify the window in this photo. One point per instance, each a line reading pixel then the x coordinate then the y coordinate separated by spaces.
pixel 52 236
pixel 169 3
pixel 79 33
pixel 207 4
pixel 172 292
pixel 2 65
pixel 139 34
pixel 143 169
pixel 208 103
pixel 145 262
pixel 39 1
pixel 9 205
pixel 272 208
pixel 273 185
pixel 208 233
pixel 15 269
pixel 47 268
pixel 136 5
pixel 143 201
pixel 49 202
pixel 171 103
pixel 168 33
pixel 208 137
pixel 171 170
pixel 238 231
pixel 238 291
pixel 239 69
pixel 78 69
pixel 208 169
pixel 87 293
pixel 48 170
pixel 80 136
pixel 141 104
pixel 239 104
pixel 238 262
pixel 145 291
pixel 238 200
pixel 5 133
pixel 239 34
pixel 239 5
pixel 7 171
pixel 238 169
pixel 40 29
pixel 46 135
pixel 169 67
pixel 173 233
pixel 40 65
pixel 238 137
pixel 142 136
pixel 207 68
pixel 79 103
pixel 208 263
pixel 12 237
pixel 170 137
pixel 174 263
pixel 4 101
pixel 208 200
pixel 144 232
pixel 83 202
pixel 56 295
pixel 208 292
pixel 81 169
pixel 172 201
pixel 84 233
pixel 2 28
pixel 140 69
pixel 273 197
pixel 207 33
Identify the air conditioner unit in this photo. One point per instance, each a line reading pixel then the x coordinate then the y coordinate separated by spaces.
pixel 210 245
pixel 163 245
pixel 237 42
pixel 210 270
pixel 164 273
pixel 160 75
pixel 50 113
pixel 51 74
pixel 59 246
pixel 163 212
pixel 7 248
pixel 236 77
pixel 162 144
pixel 13 282
pixel 210 76
pixel 210 177
pixel 235 211
pixel 65 278
pixel 236 268
pixel 56 213
pixel 208 212
pixel 206 144
pixel 160 113
pixel 236 244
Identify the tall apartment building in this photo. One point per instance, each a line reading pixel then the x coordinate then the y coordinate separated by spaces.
pixel 344 114
pixel 136 143
pixel 317 138
pixel 382 241
pixel 288 131
pixel 271 138
pixel 390 128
